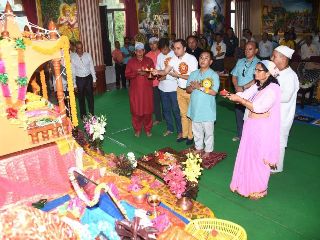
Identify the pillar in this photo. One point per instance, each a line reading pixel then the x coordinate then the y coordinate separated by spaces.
pixel 90 36
pixel 182 18
pixel 57 73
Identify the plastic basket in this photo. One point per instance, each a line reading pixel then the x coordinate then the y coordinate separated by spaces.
pixel 201 229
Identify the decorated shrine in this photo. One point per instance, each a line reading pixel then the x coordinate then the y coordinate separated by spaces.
pixel 59 184
pixel 21 53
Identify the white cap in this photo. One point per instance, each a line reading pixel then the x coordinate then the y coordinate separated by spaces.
pixel 285 51
pixel 271 66
pixel 153 39
pixel 139 46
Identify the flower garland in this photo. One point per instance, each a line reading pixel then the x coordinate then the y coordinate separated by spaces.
pixel 65 44
pixel 43 84
pixel 35 86
pixel 62 43
pixel 14 109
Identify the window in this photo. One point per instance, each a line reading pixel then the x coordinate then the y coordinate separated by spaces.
pixel 233 14
pixel 194 19
pixel 116 20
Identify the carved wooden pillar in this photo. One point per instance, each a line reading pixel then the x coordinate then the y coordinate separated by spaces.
pixel 57 72
pixel 90 36
pixel 59 86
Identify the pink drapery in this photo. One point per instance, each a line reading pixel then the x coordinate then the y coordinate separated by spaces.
pixel 41 171
pixel 198 11
pixel 30 9
pixel 131 18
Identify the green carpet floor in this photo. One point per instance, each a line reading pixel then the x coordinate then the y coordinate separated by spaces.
pixel 291 211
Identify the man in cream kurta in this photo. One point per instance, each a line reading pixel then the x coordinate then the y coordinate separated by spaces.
pixel 289 85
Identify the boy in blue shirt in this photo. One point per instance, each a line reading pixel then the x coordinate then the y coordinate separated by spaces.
pixel 202 107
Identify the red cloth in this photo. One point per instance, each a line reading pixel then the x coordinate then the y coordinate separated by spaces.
pixel 38 171
pixel 141 91
pixel 30 9
pixel 139 121
pixel 153 55
pixel 131 18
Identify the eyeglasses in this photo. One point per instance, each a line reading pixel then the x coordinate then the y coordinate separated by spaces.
pixel 259 70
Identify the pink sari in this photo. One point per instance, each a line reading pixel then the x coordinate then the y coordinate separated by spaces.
pixel 260 144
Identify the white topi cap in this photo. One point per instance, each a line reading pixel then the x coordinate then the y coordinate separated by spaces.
pixel 153 39
pixel 271 66
pixel 285 51
pixel 139 46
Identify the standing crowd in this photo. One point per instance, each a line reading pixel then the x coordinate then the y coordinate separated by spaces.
pixel 177 80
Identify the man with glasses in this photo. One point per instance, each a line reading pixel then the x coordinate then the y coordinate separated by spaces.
pixel 243 78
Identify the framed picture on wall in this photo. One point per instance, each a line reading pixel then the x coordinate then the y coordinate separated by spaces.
pixel 285 14
pixel 64 14
pixel 213 15
pixel 153 17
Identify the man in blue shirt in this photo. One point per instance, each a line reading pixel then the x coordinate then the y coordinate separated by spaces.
pixel 127 51
pixel 243 78
pixel 202 107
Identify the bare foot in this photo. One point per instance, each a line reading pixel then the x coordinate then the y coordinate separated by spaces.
pixel 156 123
pixel 198 151
pixel 137 134
pixel 205 155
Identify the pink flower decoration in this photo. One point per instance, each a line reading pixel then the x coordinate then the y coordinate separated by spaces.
pixel 161 222
pixel 134 187
pixel 155 184
pixel 22 69
pixel 22 93
pixel 2 67
pixel 114 190
pixel 175 180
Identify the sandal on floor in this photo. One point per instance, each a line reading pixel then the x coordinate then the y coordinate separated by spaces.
pixel 40 204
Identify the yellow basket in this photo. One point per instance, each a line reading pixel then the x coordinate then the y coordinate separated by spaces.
pixel 201 229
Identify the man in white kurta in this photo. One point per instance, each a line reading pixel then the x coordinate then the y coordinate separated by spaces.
pixel 289 85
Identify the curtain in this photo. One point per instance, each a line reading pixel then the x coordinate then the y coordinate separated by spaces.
pixel 198 11
pixel 131 18
pixel 172 12
pixel 242 16
pixel 30 9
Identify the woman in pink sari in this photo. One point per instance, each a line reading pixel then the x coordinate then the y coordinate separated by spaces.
pixel 259 148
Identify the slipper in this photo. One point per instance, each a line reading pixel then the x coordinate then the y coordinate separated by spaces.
pixel 40 204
